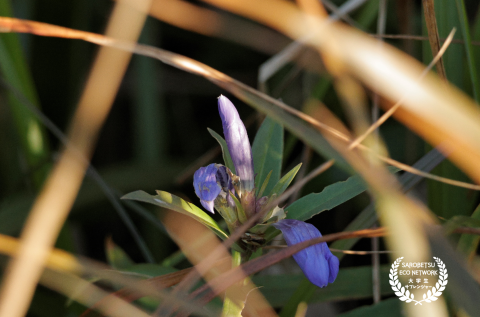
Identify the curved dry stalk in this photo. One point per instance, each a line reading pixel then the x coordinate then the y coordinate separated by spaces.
pixel 195 67
pixel 418 38
pixel 223 281
pixel 391 201
pixel 439 113
pixel 390 111
pixel 67 266
pixel 50 209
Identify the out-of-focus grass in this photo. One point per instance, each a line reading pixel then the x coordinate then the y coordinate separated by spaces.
pixel 159 119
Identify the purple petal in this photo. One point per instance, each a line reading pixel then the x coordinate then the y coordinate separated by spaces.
pixel 208 205
pixel 206 187
pixel 318 264
pixel 237 142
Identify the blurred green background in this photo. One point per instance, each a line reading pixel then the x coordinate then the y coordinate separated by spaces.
pixel 157 127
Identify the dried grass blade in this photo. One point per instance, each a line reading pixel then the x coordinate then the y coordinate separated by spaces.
pixel 224 281
pixel 433 37
pixel 50 210
pixel 239 89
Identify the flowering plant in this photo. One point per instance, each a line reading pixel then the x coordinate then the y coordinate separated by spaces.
pixel 244 187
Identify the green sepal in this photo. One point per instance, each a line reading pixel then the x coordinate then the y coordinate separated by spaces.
pixel 240 212
pixel 264 185
pixel 283 183
pixel 226 154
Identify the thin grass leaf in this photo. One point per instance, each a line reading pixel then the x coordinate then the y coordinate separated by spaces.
pixel 444 200
pixel 465 28
pixel 431 25
pixel 149 113
pixel 172 202
pixel 462 287
pixel 267 151
pixel 226 154
pixel 32 136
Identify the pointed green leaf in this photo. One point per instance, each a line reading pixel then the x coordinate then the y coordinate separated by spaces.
pixel 332 196
pixel 282 184
pixel 226 154
pixel 264 185
pixel 267 151
pixel 116 257
pixel 240 212
pixel 172 202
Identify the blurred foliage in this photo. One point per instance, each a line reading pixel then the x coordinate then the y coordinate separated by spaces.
pixel 157 129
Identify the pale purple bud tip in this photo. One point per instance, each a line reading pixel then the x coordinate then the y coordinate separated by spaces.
pixel 237 142
pixel 318 264
pixel 206 187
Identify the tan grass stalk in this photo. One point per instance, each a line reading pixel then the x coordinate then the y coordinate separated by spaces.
pixel 52 206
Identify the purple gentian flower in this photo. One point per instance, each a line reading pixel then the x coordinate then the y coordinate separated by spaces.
pixel 318 264
pixel 237 142
pixel 206 186
pixel 215 185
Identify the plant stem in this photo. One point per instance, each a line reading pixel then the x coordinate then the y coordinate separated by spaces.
pixel 233 305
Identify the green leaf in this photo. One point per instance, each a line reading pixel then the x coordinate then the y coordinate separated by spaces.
pixel 116 257
pixel 365 220
pixel 32 138
pixel 149 270
pixel 264 185
pixel 304 290
pixel 468 243
pixel 465 28
pixel 172 202
pixel 267 151
pixel 445 200
pixel 226 154
pixel 283 183
pixel 332 196
pixel 234 301
pixel 462 286
pixel 240 212
pixel 351 283
pixel 391 307
pixel 14 210
pixel 459 221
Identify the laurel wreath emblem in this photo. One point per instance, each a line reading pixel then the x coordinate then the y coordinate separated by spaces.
pixel 407 297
